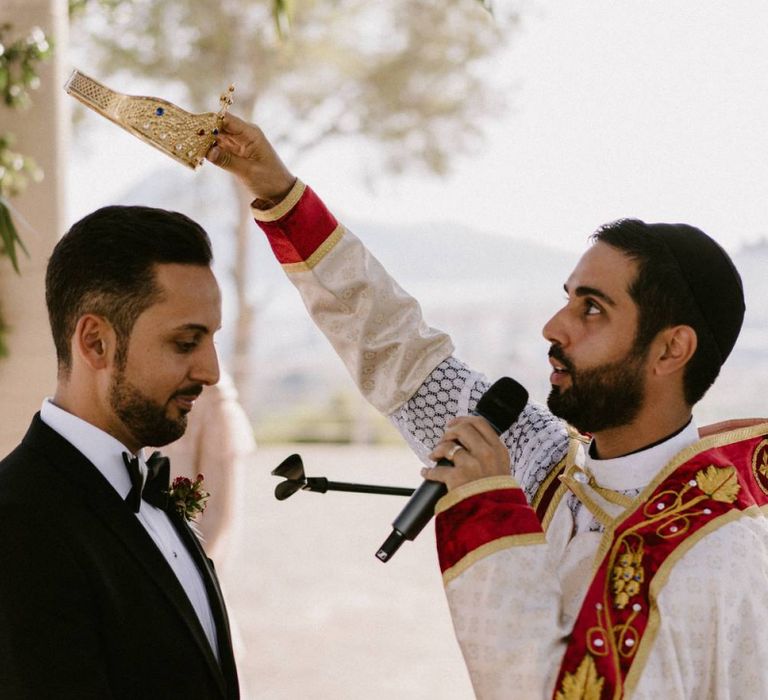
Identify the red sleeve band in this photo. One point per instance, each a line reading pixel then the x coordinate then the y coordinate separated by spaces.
pixel 480 519
pixel 301 231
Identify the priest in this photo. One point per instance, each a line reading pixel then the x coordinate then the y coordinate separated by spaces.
pixel 599 548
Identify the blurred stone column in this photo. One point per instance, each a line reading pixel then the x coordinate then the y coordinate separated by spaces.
pixel 41 131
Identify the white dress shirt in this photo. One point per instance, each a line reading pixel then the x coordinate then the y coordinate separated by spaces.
pixel 106 454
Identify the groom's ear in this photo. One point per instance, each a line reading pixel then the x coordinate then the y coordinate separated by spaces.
pixel 94 341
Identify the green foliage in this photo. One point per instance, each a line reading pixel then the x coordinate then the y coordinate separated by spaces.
pixel 15 171
pixel 18 77
pixel 19 59
pixel 9 237
pixel 487 5
pixel 282 13
pixel 78 6
pixel 18 65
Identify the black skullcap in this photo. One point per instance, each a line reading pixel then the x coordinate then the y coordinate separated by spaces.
pixel 711 278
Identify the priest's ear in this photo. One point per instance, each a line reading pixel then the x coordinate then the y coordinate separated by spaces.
pixel 673 348
pixel 94 342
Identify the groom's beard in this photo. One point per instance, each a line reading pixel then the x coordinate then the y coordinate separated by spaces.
pixel 600 398
pixel 147 421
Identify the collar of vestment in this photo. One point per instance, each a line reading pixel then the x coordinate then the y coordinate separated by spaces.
pixel 636 470
pixel 101 449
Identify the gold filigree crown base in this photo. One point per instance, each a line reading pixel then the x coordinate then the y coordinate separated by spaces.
pixel 184 136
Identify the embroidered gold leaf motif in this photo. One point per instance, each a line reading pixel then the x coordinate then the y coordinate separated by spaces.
pixel 763 468
pixel 585 684
pixel 719 484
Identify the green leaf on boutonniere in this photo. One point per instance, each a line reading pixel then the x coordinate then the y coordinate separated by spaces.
pixel 9 237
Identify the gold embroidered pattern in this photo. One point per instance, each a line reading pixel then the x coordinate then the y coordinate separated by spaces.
pixel 668 515
pixel 627 574
pixel 576 479
pixel 585 684
pixel 719 484
pixel 689 499
pixel 760 465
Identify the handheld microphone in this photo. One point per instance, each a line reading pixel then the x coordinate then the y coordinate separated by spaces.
pixel 500 406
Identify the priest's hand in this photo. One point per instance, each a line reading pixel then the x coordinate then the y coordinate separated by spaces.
pixel 475 450
pixel 243 150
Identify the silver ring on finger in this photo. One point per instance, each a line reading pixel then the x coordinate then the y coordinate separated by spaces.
pixel 452 453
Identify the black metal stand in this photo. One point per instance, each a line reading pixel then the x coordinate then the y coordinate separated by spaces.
pixel 295 480
pixel 321 485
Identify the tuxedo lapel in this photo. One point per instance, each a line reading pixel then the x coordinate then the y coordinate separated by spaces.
pixel 87 483
pixel 215 598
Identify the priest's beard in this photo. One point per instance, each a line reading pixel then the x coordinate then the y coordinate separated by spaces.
pixel 144 418
pixel 603 397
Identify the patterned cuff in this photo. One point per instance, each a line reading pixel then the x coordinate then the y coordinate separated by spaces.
pixel 300 229
pixel 480 518
pixel 279 210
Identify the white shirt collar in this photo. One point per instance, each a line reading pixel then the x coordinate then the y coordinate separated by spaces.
pixel 637 470
pixel 98 447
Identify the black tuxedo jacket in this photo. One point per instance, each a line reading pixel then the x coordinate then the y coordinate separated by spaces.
pixel 89 607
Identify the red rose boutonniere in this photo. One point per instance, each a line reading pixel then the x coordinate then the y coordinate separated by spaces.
pixel 189 496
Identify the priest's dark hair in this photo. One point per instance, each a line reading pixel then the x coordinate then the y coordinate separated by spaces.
pixel 104 265
pixel 684 278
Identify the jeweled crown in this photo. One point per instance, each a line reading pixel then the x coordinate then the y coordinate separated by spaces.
pixel 184 136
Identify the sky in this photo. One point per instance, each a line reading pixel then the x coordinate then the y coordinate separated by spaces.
pixel 617 108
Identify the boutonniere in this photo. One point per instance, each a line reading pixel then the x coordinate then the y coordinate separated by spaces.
pixel 189 496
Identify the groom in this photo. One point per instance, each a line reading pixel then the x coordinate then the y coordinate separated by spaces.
pixel 102 593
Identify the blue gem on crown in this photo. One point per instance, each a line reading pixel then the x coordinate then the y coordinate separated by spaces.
pixel 159 111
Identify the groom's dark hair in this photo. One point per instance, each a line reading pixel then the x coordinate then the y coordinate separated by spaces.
pixel 104 265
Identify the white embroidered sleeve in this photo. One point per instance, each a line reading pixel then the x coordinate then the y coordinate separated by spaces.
pixel 400 364
pixel 537 441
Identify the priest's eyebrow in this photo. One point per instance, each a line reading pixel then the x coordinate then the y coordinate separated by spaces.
pixel 584 291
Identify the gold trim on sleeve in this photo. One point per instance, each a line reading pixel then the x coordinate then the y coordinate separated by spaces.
pixel 280 210
pixel 323 249
pixel 473 488
pixel 491 548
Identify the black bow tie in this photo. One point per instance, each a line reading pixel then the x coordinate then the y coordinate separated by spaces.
pixel 155 491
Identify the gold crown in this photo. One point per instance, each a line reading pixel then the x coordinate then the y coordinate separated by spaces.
pixel 184 136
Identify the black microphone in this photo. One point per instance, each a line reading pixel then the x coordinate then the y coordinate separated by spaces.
pixel 500 406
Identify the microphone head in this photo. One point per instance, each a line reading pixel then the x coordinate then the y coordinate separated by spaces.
pixel 502 403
